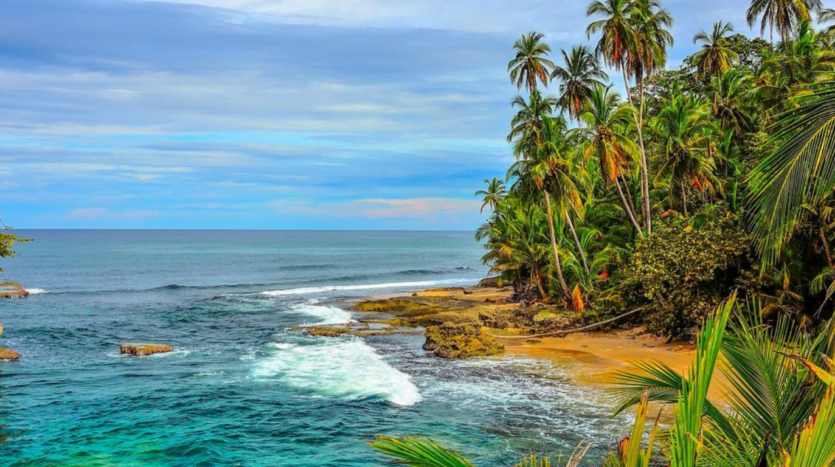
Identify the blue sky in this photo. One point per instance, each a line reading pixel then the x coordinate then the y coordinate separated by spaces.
pixel 334 114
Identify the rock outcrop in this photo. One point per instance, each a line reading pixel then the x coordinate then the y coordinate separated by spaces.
pixel 12 290
pixel 6 354
pixel 456 341
pixel 141 350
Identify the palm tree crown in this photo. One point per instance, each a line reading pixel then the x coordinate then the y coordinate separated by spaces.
pixel 782 16
pixel 577 77
pixel 530 65
pixel 715 57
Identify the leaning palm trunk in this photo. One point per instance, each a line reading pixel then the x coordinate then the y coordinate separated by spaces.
pixel 557 262
pixel 628 210
pixel 577 242
pixel 684 198
pixel 644 168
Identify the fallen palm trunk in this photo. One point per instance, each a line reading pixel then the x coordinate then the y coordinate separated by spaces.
pixel 574 331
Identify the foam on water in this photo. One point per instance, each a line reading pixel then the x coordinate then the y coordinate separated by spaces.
pixel 349 369
pixel 324 314
pixel 345 288
pixel 36 291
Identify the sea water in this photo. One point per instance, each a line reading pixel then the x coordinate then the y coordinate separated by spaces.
pixel 241 387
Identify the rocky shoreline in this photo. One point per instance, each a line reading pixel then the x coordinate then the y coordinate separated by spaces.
pixel 484 321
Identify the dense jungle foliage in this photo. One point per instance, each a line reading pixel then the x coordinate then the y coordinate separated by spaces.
pixel 712 177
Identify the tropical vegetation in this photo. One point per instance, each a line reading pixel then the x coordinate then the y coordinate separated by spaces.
pixel 697 181
pixel 702 197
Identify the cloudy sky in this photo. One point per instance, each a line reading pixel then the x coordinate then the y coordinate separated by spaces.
pixel 336 114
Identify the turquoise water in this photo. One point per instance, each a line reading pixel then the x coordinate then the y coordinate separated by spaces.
pixel 240 389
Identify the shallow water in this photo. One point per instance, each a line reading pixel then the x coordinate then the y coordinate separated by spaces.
pixel 241 390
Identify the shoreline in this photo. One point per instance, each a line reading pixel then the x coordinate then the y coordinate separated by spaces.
pixel 588 358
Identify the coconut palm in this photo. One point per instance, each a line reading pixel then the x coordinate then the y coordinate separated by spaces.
pixel 650 22
pixel 527 121
pixel 530 65
pixel 783 16
pixel 827 15
pixel 715 57
pixel 683 145
pixel 731 101
pixel 607 140
pixel 579 74
pixel 493 193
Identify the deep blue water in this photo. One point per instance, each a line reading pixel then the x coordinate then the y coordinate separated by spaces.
pixel 240 389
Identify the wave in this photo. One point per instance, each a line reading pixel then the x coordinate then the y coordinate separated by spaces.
pixel 36 291
pixel 325 314
pixel 346 288
pixel 349 369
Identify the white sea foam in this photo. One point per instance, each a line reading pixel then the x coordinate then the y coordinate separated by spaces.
pixel 324 314
pixel 344 288
pixel 349 369
pixel 36 291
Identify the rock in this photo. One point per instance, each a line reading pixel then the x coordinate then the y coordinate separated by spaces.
pixel 6 354
pixel 492 282
pixel 457 341
pixel 141 350
pixel 12 290
pixel 327 332
pixel 468 292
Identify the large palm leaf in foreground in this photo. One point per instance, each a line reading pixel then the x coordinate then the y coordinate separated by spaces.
pixel 802 168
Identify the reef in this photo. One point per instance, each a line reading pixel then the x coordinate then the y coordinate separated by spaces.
pixel 12 290
pixel 141 350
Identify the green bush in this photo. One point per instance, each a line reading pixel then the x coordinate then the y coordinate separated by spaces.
pixel 687 267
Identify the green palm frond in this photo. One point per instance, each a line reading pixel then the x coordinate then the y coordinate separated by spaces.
pixel 419 452
pixel 802 167
pixel 687 432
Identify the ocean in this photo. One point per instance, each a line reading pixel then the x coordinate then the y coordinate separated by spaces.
pixel 241 389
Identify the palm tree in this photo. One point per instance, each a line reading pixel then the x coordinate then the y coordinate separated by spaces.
pixel 684 145
pixel 827 15
pixel 607 140
pixel 530 64
pixel 731 101
pixel 577 77
pixel 527 122
pixel 715 56
pixel 781 15
pixel 633 40
pixel 652 38
pixel 493 193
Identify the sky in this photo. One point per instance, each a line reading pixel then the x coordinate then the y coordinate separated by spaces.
pixel 269 114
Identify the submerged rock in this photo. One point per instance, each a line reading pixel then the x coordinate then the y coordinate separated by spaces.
pixel 457 341
pixel 6 354
pixel 140 350
pixel 12 290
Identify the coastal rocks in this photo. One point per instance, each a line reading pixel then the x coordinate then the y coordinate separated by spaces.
pixel 12 290
pixel 141 350
pixel 6 354
pixel 491 282
pixel 457 341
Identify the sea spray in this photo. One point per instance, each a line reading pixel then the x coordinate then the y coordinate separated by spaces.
pixel 345 368
pixel 346 288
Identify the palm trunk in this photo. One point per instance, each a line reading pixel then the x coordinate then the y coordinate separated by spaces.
pixel 639 121
pixel 628 193
pixel 557 262
pixel 577 242
pixel 644 166
pixel 684 198
pixel 628 210
pixel 537 278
